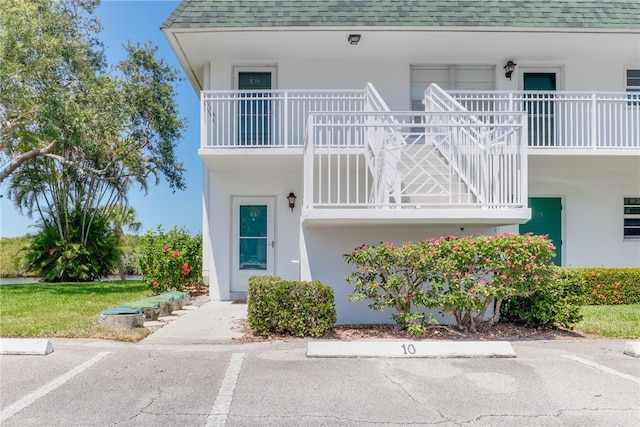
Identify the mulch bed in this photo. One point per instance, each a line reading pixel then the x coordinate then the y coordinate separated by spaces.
pixel 500 332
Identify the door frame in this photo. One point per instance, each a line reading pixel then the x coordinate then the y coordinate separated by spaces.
pixel 269 124
pixel 548 125
pixel 558 71
pixel 563 213
pixel 236 274
pixel 237 69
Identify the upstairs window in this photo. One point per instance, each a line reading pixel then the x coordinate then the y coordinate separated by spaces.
pixel 632 218
pixel 449 77
pixel 632 82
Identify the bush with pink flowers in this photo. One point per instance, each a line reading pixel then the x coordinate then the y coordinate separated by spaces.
pixel 467 278
pixel 170 260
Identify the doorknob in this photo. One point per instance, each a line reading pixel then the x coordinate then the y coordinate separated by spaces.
pixel 273 244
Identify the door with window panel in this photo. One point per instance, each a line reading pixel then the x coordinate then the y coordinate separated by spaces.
pixel 540 108
pixel 253 242
pixel 254 110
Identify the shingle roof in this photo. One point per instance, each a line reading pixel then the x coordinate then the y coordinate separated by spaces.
pixel 585 14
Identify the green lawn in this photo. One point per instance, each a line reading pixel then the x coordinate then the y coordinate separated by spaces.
pixel 614 321
pixel 71 310
pixel 66 309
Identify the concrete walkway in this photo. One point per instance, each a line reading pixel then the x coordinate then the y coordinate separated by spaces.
pixel 213 322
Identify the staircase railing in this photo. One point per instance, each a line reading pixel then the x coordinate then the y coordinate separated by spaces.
pixel 384 141
pixel 477 144
pixel 338 176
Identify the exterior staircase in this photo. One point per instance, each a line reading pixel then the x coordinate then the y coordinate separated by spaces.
pixel 429 179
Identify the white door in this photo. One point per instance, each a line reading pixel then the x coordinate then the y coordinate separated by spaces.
pixel 253 244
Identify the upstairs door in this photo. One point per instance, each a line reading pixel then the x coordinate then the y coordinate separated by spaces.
pixel 540 108
pixel 254 112
pixel 253 244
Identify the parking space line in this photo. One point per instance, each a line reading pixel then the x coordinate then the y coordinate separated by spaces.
pixel 222 405
pixel 50 386
pixel 603 368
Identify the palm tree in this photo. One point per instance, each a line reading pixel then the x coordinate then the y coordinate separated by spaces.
pixel 121 216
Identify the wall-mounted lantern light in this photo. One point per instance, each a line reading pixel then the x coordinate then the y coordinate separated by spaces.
pixel 509 69
pixel 292 201
pixel 353 39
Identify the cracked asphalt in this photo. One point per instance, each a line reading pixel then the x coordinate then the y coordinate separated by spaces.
pixel 274 384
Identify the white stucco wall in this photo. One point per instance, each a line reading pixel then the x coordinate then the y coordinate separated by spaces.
pixel 324 60
pixel 593 190
pixel 322 259
pixel 268 180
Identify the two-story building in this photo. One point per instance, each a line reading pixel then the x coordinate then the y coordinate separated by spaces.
pixel 403 120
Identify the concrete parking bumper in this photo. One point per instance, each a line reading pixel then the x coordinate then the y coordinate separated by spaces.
pixel 25 346
pixel 632 348
pixel 412 349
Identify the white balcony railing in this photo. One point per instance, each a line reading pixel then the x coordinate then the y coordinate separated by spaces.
pixel 556 120
pixel 409 159
pixel 608 120
pixel 274 118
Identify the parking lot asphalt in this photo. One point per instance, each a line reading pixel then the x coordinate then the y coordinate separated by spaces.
pixel 577 382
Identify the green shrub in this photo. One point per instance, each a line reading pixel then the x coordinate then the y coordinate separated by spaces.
pixel 394 277
pixel 170 260
pixel 606 286
pixel 86 255
pixel 12 254
pixel 289 307
pixel 557 303
pixel 462 276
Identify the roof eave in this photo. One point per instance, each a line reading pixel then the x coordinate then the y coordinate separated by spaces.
pixel 182 58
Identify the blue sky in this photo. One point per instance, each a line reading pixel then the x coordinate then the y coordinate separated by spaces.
pixel 139 21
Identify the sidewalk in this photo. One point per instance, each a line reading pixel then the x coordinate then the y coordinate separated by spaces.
pixel 214 322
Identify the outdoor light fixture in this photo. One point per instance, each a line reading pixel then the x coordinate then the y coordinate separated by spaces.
pixel 354 39
pixel 509 68
pixel 292 201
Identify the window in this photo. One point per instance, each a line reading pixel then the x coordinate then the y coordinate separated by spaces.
pixel 632 218
pixel 449 77
pixel 633 86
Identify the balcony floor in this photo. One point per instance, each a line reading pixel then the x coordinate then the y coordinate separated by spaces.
pixel 412 216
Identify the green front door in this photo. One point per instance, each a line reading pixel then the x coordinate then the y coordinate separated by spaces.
pixel 540 108
pixel 253 240
pixel 546 218
pixel 255 108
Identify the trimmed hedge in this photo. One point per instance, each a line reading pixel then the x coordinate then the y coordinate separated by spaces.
pixel 608 286
pixel 556 303
pixel 280 306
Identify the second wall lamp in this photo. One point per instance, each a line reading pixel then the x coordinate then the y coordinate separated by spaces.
pixel 509 69
pixel 353 39
pixel 292 200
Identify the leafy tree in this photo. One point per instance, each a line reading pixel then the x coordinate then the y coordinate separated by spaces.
pixel 60 101
pixel 76 135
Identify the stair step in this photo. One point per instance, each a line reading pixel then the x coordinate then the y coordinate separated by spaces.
pixel 434 200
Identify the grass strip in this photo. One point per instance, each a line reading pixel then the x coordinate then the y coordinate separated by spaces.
pixel 612 321
pixel 47 310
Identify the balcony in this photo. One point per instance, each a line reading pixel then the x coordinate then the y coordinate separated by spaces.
pixel 462 160
pixel 558 122
pixel 268 119
pixel 415 167
pixel 568 122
